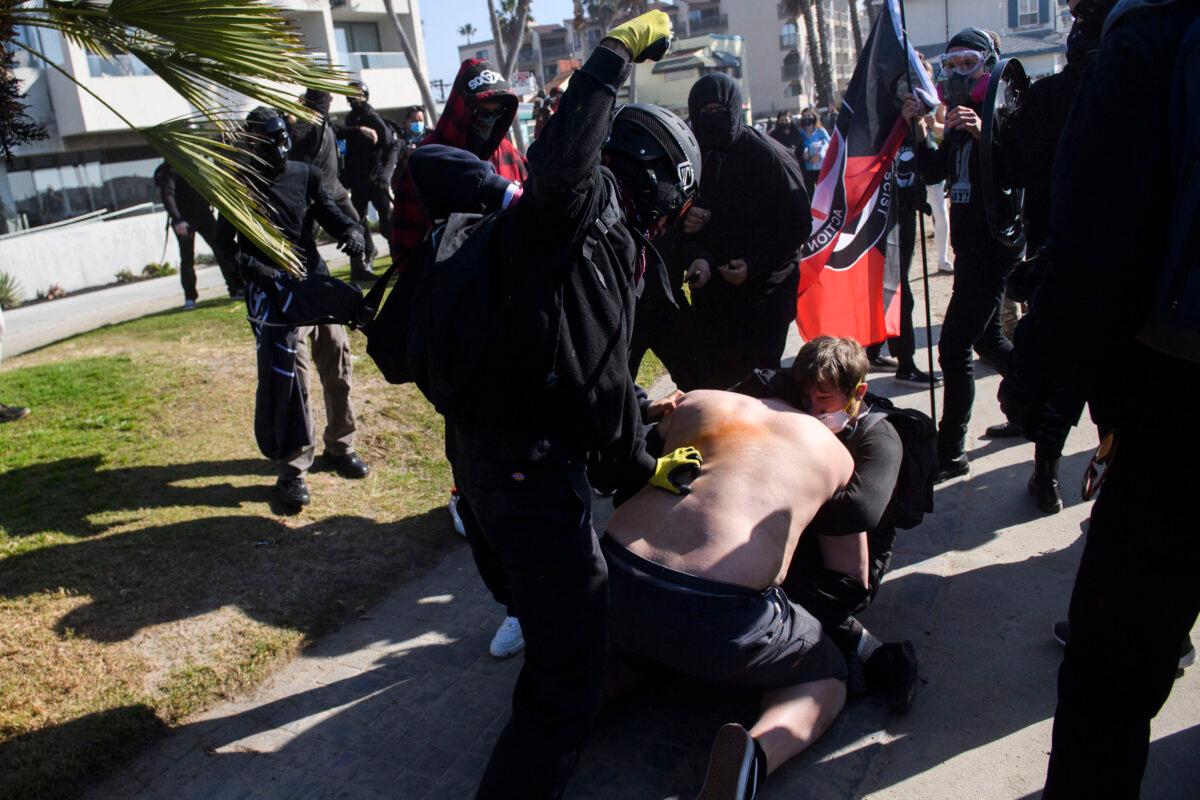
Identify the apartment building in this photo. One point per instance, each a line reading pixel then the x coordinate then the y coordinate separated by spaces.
pixel 668 82
pixel 1034 31
pixel 91 161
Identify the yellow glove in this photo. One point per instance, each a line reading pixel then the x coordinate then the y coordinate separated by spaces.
pixel 676 471
pixel 647 36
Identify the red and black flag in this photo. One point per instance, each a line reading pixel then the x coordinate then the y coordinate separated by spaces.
pixel 848 285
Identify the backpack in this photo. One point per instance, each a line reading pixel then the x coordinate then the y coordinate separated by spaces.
pixel 912 498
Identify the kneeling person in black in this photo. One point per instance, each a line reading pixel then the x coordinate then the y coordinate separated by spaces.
pixel 837 568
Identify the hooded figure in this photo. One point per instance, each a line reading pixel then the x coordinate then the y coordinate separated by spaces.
pixel 478 115
pixel 743 259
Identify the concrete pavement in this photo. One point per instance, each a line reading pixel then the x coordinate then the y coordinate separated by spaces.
pixel 406 703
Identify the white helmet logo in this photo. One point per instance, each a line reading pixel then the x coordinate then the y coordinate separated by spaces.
pixel 485 78
pixel 687 175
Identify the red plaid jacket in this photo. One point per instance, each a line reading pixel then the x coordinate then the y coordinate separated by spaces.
pixel 410 223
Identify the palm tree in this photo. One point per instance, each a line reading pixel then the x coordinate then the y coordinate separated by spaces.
pixel 820 69
pixel 468 31
pixel 208 51
pixel 410 54
pixel 826 61
pixel 856 27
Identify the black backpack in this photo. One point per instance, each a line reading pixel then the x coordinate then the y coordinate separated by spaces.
pixel 912 498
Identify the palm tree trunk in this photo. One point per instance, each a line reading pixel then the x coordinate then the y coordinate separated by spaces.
pixel 410 53
pixel 856 28
pixel 826 75
pixel 497 39
pixel 516 37
pixel 814 55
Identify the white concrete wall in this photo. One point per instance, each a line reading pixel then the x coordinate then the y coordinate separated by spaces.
pixel 88 254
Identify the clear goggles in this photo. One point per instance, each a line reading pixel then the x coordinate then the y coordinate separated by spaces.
pixel 964 62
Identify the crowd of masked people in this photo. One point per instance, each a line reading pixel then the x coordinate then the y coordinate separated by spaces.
pixel 757 507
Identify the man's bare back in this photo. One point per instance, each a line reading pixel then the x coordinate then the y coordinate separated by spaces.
pixel 767 469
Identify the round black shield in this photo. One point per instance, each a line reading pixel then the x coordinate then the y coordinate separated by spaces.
pixel 1001 200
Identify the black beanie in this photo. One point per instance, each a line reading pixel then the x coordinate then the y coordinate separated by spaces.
pixel 975 39
pixel 318 100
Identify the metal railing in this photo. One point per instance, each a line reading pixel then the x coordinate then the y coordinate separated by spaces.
pixel 707 23
pixel 557 51
pixel 121 65
pixel 790 72
pixel 392 59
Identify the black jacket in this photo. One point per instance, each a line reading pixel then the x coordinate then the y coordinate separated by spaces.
pixel 790 137
pixel 368 163
pixel 1107 253
pixel 183 203
pixel 755 191
pixel 956 161
pixel 567 305
pixel 294 201
pixel 316 144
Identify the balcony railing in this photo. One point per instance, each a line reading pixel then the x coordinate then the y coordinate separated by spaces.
pixel 386 60
pixel 790 72
pixel 708 23
pixel 556 51
pixel 122 65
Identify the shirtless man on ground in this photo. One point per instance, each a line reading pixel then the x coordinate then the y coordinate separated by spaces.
pixel 694 579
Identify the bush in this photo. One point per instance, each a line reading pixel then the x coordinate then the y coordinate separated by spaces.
pixel 10 291
pixel 127 276
pixel 156 270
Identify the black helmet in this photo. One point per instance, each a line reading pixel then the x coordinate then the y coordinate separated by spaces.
pixel 269 136
pixel 362 87
pixel 656 151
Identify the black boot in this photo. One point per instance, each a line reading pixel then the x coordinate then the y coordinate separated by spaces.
pixel 1044 485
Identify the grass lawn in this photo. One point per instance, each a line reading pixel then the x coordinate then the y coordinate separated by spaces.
pixel 143 575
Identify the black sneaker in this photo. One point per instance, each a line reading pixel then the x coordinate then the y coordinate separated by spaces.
pixel 952 468
pixel 917 376
pixel 891 673
pixel 12 413
pixel 733 771
pixel 1187 651
pixel 348 466
pixel 292 492
pixel 1004 430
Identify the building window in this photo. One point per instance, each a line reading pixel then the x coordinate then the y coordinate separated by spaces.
pixel 356 37
pixel 482 54
pixel 791 67
pixel 549 72
pixel 1028 13
pixel 794 89
pixel 787 36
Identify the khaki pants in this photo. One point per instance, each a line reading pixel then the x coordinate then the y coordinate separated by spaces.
pixel 330 348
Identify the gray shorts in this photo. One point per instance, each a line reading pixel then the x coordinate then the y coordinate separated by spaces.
pixel 713 631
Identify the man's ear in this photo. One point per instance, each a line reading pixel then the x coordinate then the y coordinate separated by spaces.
pixel 860 391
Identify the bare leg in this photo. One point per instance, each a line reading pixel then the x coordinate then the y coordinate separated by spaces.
pixel 795 717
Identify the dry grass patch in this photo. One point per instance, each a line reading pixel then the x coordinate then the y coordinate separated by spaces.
pixel 143 576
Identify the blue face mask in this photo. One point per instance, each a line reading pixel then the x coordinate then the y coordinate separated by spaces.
pixel 416 127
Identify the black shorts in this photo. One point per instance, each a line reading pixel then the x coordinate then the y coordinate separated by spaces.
pixel 713 631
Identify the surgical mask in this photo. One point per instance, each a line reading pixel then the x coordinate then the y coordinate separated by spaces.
pixel 836 421
pixel 416 127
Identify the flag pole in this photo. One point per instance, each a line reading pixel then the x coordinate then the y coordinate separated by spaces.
pixel 912 133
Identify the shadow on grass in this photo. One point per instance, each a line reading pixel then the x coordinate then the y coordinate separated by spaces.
pixel 61 495
pixel 301 578
pixel 54 762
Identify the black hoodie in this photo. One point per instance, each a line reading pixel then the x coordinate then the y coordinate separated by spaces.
pixel 754 188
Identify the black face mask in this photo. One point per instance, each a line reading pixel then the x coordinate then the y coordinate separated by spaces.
pixel 712 130
pixel 483 123
pixel 807 122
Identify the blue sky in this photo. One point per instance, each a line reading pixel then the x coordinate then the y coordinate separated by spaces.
pixel 442 19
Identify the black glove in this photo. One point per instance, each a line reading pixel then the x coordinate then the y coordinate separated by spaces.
pixel 353 243
pixel 256 272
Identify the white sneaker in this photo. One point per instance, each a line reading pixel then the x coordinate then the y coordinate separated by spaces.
pixel 508 640
pixel 455 518
pixel 946 266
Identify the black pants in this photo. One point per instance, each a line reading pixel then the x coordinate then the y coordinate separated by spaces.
pixel 1058 415
pixel 1135 599
pixel 904 346
pixel 834 598
pixel 533 524
pixel 380 196
pixel 810 180
pixel 206 226
pixel 972 321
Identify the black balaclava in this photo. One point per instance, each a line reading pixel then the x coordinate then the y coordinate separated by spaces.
pixel 716 131
pixel 1084 37
pixel 318 101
